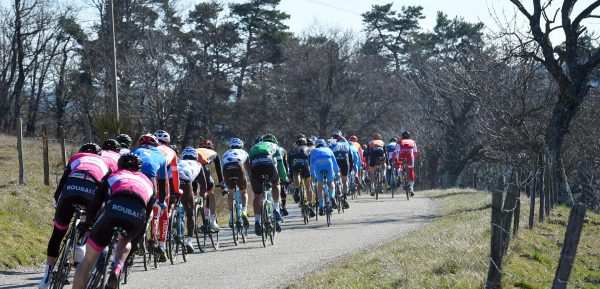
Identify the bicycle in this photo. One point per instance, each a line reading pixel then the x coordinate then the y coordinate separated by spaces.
pixel 236 225
pixel 202 228
pixel 338 195
pixel 327 199
pixel 127 267
pixel 404 181
pixel 304 208
pixel 352 186
pixel 393 180
pixel 379 181
pixel 66 256
pixel 175 237
pixel 151 244
pixel 99 275
pixel 267 216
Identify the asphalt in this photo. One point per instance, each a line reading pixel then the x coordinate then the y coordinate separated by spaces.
pixel 298 250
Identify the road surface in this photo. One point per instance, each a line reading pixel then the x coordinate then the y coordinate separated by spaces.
pixel 299 249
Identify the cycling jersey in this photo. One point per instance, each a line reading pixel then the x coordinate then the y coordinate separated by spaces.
pixel 111 158
pixel 406 149
pixel 171 158
pixel 235 156
pixel 356 158
pixel 154 163
pixel 271 150
pixel 376 152
pixel 207 157
pixel 343 156
pixel 390 148
pixel 94 165
pixel 129 197
pixel 360 153
pixel 323 159
pixel 188 170
pixel 299 156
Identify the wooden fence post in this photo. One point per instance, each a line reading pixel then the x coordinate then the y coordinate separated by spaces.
pixel 63 146
pixel 540 188
pixel 517 217
pixel 46 156
pixel 22 179
pixel 494 277
pixel 532 196
pixel 508 209
pixel 569 249
pixel 574 228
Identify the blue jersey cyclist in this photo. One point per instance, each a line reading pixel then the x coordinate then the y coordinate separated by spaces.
pixel 154 166
pixel 322 160
pixel 390 148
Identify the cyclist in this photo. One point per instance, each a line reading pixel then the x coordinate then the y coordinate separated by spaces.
pixel 207 156
pixel 323 159
pixel 266 159
pixel 406 148
pixel 376 155
pixel 125 142
pixel 170 154
pixel 343 156
pixel 77 186
pixel 284 185
pixel 299 158
pixel 127 196
pixel 389 149
pixel 191 178
pixel 235 165
pixel 357 165
pixel 111 151
pixel 154 166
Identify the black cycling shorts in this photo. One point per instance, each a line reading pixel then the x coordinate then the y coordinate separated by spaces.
pixel 262 165
pixel 127 212
pixel 344 167
pixel 303 170
pixel 376 157
pixel 235 170
pixel 76 191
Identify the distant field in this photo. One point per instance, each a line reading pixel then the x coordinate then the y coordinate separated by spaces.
pixel 452 251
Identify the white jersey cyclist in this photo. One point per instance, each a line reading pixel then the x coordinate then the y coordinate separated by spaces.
pixel 234 156
pixel 188 169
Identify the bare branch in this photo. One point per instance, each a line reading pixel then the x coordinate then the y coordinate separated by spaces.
pixel 586 13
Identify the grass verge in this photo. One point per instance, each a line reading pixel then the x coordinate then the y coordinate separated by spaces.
pixel 452 252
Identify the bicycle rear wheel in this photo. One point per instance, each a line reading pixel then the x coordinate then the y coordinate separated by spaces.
pixel 234 222
pixel 263 223
pixel 328 210
pixel 171 238
pixel 198 232
pixel 61 275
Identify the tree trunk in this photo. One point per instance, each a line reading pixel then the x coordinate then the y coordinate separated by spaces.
pixel 556 130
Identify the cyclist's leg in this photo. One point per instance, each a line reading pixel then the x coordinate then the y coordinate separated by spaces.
pixel 187 200
pixel 212 201
pixel 242 185
pixel 256 171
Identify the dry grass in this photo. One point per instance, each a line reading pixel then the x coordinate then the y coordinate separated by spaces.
pixel 26 211
pixel 452 252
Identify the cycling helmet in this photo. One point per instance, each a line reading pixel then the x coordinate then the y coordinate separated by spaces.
pixel 310 143
pixel 341 139
pixel 148 139
pixel 111 145
pixel 313 138
pixel 376 136
pixel 301 142
pixel 236 143
pixel 189 153
pixel 353 138
pixel 269 138
pixel 91 148
pixel 406 135
pixel 124 140
pixel 162 136
pixel 320 143
pixel 130 162
pixel 394 139
pixel 336 134
pixel 301 136
pixel 207 144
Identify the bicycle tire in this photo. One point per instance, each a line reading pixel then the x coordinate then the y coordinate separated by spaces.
pixel 234 222
pixel 147 257
pixel 302 205
pixel 328 210
pixel 406 186
pixel 263 224
pixel 61 275
pixel 171 239
pixel 127 267
pixel 181 224
pixel 197 229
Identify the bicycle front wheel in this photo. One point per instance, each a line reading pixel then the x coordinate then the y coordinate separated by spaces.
pixel 234 215
pixel 263 223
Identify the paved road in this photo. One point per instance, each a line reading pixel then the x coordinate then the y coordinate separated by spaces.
pixel 298 250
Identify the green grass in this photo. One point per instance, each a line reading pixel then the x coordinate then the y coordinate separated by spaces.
pixel 452 252
pixel 26 211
